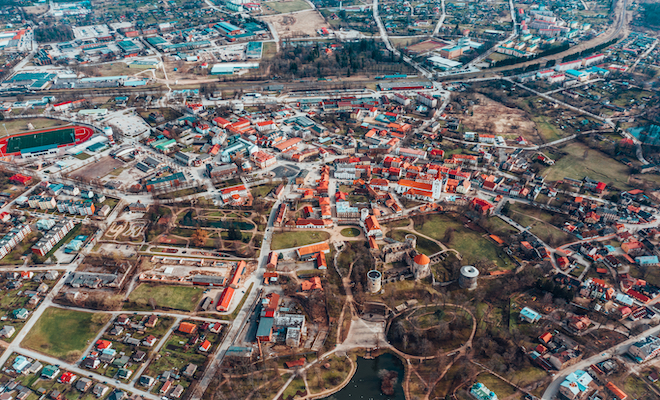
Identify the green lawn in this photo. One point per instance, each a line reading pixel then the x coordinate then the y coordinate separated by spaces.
pixel 64 333
pixel 285 240
pixel 350 232
pixel 263 190
pixel 472 245
pixel 20 124
pixel 281 7
pixel 547 130
pixel 183 298
pixel 596 165
pixel 83 156
pixel 503 389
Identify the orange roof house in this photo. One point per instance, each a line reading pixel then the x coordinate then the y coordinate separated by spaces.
pixel 225 299
pixel 187 327
pixel 618 393
pixel 312 283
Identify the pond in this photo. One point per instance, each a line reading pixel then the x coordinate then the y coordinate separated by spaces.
pixel 188 220
pixel 366 383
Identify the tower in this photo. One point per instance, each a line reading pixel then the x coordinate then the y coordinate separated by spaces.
pixel 374 281
pixel 421 266
pixel 468 277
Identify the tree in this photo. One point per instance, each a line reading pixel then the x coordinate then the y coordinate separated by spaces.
pixel 199 237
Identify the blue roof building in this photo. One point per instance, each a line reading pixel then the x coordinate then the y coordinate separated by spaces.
pixel 529 315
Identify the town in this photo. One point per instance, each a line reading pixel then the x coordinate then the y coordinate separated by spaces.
pixel 293 199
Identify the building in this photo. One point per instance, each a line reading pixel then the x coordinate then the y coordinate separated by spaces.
pixel 421 266
pixel 576 386
pixel 529 315
pixel 645 349
pixel 480 392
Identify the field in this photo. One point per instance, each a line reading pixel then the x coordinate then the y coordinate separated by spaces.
pixel 472 245
pixel 495 118
pixel 302 24
pixel 80 327
pixel 283 7
pixel 183 298
pixel 97 169
pixel 285 240
pixel 19 125
pixel 595 165
pixel 426 46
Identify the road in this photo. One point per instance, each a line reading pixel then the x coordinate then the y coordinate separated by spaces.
pixel 620 348
pixel 244 313
pixel 441 20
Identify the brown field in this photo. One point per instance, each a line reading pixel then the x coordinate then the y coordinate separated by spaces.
pixel 97 169
pixel 495 118
pixel 425 46
pixel 302 24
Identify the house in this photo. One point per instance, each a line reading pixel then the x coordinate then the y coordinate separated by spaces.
pixel 34 367
pixel 100 390
pixel 67 378
pixel 480 392
pixel 49 372
pixel 151 321
pixel 139 356
pixel 645 349
pixel 166 387
pixel 618 393
pixel 579 322
pixel 90 363
pixel 147 381
pixel 189 371
pixel 7 331
pixel 84 384
pixel 576 386
pixel 313 283
pixel 529 315
pixel 205 346
pixel 20 313
pixel 187 327
pixel 122 319
pixel 124 373
pixel 103 344
pixel 177 391
pixel 20 363
pixel 149 341
pixel 117 395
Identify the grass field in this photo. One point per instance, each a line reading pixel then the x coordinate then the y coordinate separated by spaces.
pixel 281 7
pixel 350 232
pixel 47 334
pixel 269 51
pixel 503 389
pixel 472 245
pixel 183 298
pixel 285 240
pixel 547 130
pixel 20 124
pixel 596 165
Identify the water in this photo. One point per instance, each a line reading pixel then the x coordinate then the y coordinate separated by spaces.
pixel 365 384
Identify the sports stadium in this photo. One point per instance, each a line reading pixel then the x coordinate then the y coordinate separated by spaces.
pixel 43 140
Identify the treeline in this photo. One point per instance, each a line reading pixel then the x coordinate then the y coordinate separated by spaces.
pixel 352 57
pixel 53 33
pixel 651 14
pixel 588 52
pixel 511 61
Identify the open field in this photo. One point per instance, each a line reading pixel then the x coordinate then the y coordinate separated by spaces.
pixel 302 24
pixel 80 327
pixel 595 165
pixel 495 118
pixel 285 6
pixel 19 125
pixel 183 298
pixel 472 245
pixel 285 240
pixel 97 169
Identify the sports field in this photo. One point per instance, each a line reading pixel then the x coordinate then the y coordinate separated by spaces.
pixel 41 139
